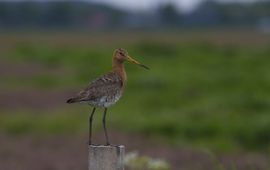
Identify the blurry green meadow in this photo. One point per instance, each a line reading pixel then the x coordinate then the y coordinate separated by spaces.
pixel 203 89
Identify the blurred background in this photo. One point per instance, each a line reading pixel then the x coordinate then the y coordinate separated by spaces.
pixel 204 105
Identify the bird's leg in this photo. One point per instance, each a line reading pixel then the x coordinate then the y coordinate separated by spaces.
pixel 104 127
pixel 90 126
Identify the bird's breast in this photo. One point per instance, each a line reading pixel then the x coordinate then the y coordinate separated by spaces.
pixel 106 100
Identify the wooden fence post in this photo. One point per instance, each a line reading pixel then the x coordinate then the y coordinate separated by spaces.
pixel 106 157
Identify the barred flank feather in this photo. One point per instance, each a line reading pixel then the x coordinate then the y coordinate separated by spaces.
pixel 71 100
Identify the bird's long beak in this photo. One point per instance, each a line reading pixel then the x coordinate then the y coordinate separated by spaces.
pixel 130 59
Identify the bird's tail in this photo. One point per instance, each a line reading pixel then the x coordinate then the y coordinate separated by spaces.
pixel 71 100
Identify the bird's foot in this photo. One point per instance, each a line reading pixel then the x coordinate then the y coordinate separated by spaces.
pixel 108 144
pixel 90 143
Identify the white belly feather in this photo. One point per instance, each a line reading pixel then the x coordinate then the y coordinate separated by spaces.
pixel 105 101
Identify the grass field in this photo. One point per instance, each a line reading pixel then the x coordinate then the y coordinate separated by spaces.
pixel 204 90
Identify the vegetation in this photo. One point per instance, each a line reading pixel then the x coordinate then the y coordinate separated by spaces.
pixel 135 162
pixel 197 93
pixel 97 16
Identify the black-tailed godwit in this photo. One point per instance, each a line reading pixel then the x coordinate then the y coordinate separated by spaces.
pixel 106 90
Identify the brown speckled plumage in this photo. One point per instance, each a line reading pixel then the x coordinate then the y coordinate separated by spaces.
pixel 107 89
pixel 101 92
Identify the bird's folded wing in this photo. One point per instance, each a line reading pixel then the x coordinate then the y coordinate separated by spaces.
pixel 108 84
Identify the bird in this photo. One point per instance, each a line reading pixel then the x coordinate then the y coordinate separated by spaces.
pixel 106 90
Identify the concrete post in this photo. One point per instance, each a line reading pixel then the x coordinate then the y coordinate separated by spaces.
pixel 106 157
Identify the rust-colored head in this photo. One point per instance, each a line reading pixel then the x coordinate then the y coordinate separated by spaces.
pixel 121 55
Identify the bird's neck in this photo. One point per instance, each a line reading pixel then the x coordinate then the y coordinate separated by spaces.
pixel 119 68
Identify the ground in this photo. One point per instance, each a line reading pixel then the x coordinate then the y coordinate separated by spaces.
pixel 70 153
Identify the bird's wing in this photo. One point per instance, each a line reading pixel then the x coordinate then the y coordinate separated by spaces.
pixel 109 83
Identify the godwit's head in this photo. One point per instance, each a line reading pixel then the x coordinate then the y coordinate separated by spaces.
pixel 121 55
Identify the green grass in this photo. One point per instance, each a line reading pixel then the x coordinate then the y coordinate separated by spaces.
pixel 196 93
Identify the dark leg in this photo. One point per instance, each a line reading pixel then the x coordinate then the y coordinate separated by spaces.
pixel 90 126
pixel 104 127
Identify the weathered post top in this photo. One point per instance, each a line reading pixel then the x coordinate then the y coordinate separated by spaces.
pixel 106 157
